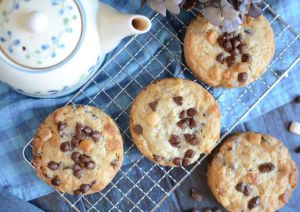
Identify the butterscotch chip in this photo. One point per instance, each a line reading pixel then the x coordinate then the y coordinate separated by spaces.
pixel 161 135
pixel 212 36
pixel 210 53
pixel 74 153
pixel 243 176
pixel 110 129
pixel 59 116
pixel 152 119
pixel 86 145
pixel 45 134
pixel 113 144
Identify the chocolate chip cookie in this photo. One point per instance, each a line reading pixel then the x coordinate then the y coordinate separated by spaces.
pixel 173 121
pixel 252 172
pixel 229 59
pixel 78 150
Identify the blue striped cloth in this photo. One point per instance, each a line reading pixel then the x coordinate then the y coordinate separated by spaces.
pixel 20 116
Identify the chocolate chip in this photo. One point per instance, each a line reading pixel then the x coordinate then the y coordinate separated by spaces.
pixel 220 58
pixel 114 163
pixel 178 100
pixel 196 195
pixel 75 142
pixel 192 112
pixel 78 192
pixel 138 129
pixel 96 135
pixel 230 60
pixel 153 105
pixel 297 100
pixel 227 35
pixel 248 31
pixel 234 52
pixel 75 156
pixel 216 209
pixel 89 165
pixel 55 181
pixel 186 162
pixel 266 167
pixel 84 188
pixel 297 150
pixel 246 58
pixel 191 139
pixel 80 135
pixel 236 43
pixel 61 126
pixel 79 127
pixel 177 161
pixel 242 47
pixel 182 114
pixel 188 5
pixel 189 153
pixel 53 165
pixel 206 210
pixel 243 188
pixel 174 140
pixel 247 190
pixel 238 37
pixel 65 147
pixel 84 158
pixel 227 46
pixel 221 41
pixel 76 167
pixel 71 147
pixel 184 123
pixel 192 123
pixel 157 158
pixel 87 130
pixel 243 77
pixel 254 202
pixel 240 187
pixel 78 173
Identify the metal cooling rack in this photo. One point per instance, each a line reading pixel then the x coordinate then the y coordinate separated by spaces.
pixel 141 185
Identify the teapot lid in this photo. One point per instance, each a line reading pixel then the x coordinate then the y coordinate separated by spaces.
pixel 39 34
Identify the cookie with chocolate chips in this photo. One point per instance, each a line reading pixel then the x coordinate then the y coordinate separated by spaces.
pixel 174 121
pixel 252 172
pixel 78 150
pixel 229 59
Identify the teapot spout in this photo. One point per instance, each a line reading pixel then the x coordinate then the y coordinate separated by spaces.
pixel 114 26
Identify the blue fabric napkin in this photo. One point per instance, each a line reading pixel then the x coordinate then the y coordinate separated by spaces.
pixel 20 116
pixel 9 203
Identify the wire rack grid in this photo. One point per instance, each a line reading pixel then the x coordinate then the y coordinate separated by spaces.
pixel 141 185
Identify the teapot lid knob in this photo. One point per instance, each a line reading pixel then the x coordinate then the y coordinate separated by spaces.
pixel 40 34
pixel 37 22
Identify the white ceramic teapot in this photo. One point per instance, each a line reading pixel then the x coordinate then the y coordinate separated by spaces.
pixel 50 48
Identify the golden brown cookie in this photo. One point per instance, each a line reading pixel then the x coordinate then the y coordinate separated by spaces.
pixel 78 150
pixel 252 172
pixel 173 121
pixel 229 59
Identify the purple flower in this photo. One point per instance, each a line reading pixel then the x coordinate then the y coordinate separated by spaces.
pixel 229 14
pixel 162 6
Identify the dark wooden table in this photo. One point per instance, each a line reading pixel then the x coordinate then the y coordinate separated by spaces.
pixel 274 123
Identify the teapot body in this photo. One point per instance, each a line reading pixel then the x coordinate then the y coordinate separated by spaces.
pixel 67 76
pixel 90 31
